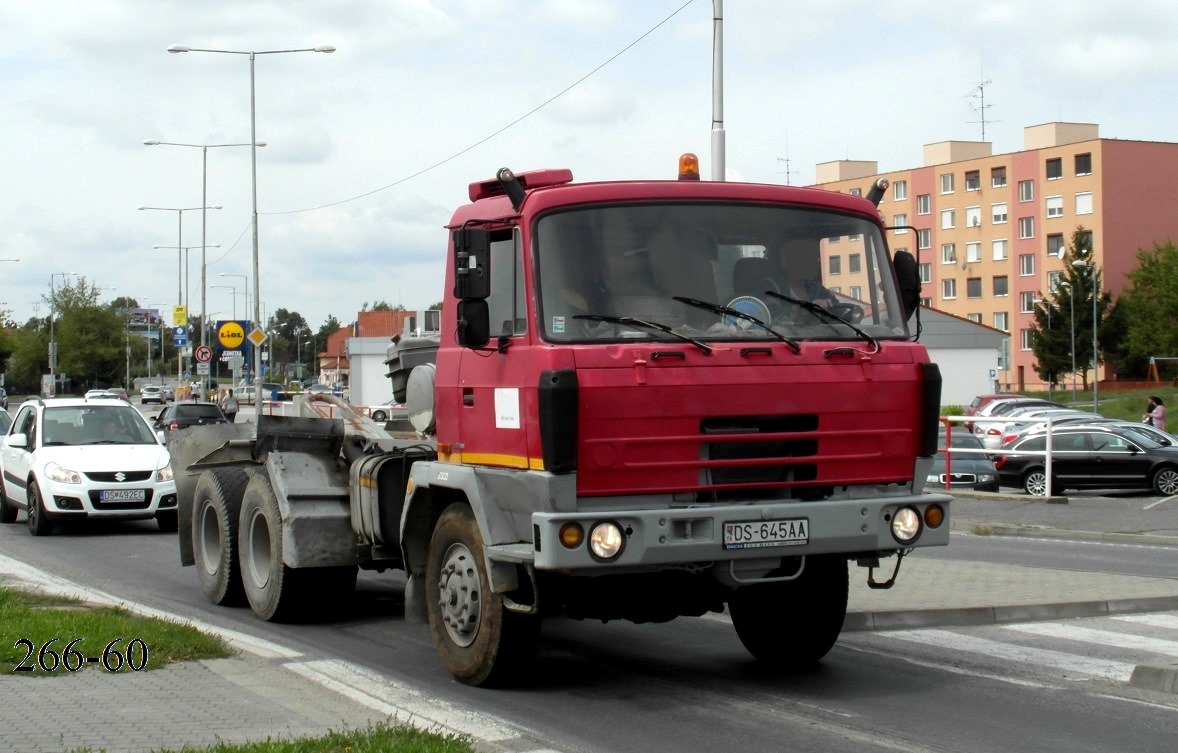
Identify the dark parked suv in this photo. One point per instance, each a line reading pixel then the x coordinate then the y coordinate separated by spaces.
pixel 183 415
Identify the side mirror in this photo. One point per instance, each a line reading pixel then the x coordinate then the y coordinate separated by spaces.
pixel 474 323
pixel 472 257
pixel 17 440
pixel 908 277
pixel 161 436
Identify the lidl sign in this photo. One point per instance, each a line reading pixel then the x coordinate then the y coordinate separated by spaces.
pixel 231 334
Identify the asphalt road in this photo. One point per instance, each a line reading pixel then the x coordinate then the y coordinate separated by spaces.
pixel 689 685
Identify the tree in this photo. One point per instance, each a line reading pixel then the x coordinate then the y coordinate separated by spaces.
pixel 1071 293
pixel 1149 306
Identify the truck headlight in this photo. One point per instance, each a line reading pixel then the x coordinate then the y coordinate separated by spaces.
pixel 606 541
pixel 906 525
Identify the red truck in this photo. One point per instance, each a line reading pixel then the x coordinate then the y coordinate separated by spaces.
pixel 647 400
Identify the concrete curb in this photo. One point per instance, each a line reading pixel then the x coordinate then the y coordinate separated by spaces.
pixel 861 620
pixel 1160 677
pixel 1003 529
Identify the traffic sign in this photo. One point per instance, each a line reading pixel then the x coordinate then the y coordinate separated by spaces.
pixel 179 336
pixel 257 337
pixel 204 354
pixel 231 335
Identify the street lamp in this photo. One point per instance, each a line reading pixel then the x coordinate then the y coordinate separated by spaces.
pixel 204 183
pixel 232 288
pixel 1072 319
pixel 52 339
pixel 184 263
pixel 177 48
pixel 245 286
pixel 1080 264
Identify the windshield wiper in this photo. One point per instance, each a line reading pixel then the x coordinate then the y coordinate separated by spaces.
pixel 822 313
pixel 716 308
pixel 631 321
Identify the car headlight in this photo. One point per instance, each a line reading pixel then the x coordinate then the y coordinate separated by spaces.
pixel 987 477
pixel 62 475
pixel 606 541
pixel 933 478
pixel 906 525
pixel 164 474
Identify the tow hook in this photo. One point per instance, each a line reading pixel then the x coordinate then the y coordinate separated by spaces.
pixel 871 582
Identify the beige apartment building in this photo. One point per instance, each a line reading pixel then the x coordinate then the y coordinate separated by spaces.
pixel 990 228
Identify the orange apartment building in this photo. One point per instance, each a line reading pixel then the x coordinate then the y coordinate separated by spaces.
pixel 990 228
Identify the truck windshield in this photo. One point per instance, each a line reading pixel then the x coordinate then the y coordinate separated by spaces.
pixel 657 262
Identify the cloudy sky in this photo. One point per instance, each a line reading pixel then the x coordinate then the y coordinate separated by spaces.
pixel 370 149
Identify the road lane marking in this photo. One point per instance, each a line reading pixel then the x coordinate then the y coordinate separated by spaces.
pixel 1153 620
pixel 1151 505
pixel 1081 665
pixel 1099 637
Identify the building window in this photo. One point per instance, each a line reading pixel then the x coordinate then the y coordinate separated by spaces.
pixel 1053 281
pixel 898 220
pixel 853 263
pixel 975 318
pixel 973 216
pixel 1027 336
pixel 857 292
pixel 1055 245
pixel 900 190
pixel 926 273
pixel 836 265
pixel 998 213
pixel 947 183
pixel 973 252
pixel 1001 286
pixel 835 288
pixel 856 192
pixel 1054 169
pixel 1084 203
pixel 973 180
pixel 948 219
pixel 973 287
pixel 948 289
pixel 948 253
pixel 1026 265
pixel 924 204
pixel 1002 321
pixel 1083 164
pixel 1055 206
pixel 1026 190
pixel 1026 227
pixel 997 177
pixel 924 238
pixel 926 302
pixel 999 249
pixel 1026 302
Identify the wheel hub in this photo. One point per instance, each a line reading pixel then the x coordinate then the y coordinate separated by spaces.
pixel 459 595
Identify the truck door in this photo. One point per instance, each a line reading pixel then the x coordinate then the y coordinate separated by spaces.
pixel 497 386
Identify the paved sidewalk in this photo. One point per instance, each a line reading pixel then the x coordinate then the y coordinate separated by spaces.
pixel 255 695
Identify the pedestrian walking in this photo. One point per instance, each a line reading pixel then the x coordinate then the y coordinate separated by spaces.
pixel 1155 414
pixel 229 406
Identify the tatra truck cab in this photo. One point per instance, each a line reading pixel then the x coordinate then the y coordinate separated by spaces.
pixel 646 400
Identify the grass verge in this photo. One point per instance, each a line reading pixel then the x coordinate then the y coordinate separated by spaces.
pixel 36 633
pixel 379 738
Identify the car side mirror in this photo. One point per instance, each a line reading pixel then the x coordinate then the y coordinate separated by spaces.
pixel 161 436
pixel 17 440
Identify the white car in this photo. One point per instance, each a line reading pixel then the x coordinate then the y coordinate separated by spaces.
pixel 74 459
pixel 388 412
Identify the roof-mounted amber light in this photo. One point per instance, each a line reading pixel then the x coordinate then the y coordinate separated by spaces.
pixel 689 167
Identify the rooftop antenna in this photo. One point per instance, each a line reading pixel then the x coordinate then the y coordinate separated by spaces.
pixel 787 171
pixel 979 93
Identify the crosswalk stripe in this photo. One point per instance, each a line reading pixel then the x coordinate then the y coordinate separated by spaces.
pixel 1103 668
pixel 1101 637
pixel 1168 621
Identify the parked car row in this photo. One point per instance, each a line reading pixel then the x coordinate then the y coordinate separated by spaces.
pixel 1087 451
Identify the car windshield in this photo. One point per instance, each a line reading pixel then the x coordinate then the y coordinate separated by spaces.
pixel 962 440
pixel 709 272
pixel 198 411
pixel 94 424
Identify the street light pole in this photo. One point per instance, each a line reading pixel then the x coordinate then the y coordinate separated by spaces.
pixel 1072 341
pixel 176 48
pixel 52 338
pixel 1080 263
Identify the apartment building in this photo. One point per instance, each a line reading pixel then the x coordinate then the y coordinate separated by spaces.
pixel 989 229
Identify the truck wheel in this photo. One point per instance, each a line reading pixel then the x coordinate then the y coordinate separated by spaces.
pixel 7 511
pixel 272 589
pixel 481 642
pixel 793 624
pixel 39 523
pixel 216 508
